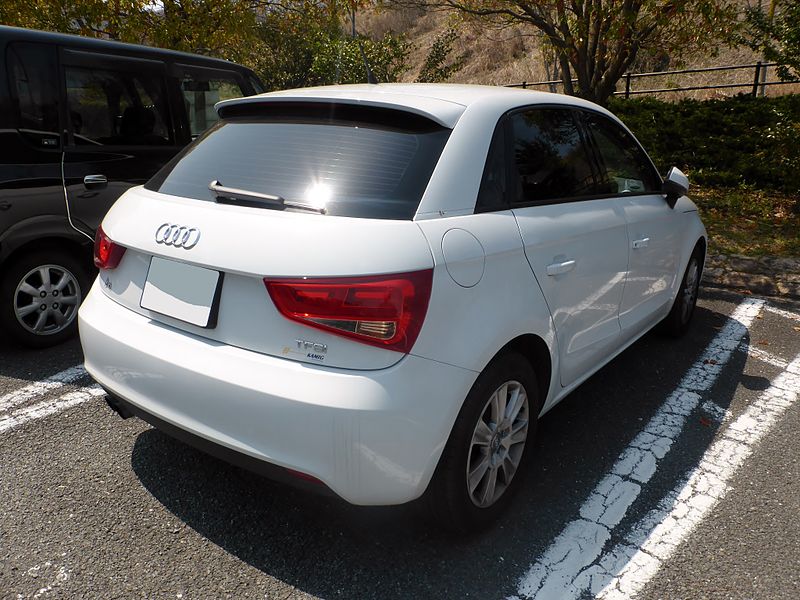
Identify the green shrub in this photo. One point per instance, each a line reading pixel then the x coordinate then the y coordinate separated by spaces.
pixel 739 141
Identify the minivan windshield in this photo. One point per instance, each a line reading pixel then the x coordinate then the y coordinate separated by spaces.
pixel 356 162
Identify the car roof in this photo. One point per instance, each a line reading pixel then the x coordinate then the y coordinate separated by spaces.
pixel 19 34
pixel 441 102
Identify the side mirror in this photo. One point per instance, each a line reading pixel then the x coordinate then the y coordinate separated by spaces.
pixel 675 185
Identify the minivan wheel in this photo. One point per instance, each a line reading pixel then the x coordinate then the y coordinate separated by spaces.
pixel 485 457
pixel 677 321
pixel 39 298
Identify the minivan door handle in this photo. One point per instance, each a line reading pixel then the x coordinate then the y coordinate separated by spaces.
pixel 95 182
pixel 560 267
pixel 642 243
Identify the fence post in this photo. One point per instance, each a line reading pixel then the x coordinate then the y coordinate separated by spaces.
pixel 756 79
pixel 627 85
pixel 524 85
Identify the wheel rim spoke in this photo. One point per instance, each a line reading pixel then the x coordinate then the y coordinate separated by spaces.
pixel 518 399
pixel 69 300
pixel 27 288
pixel 499 404
pixel 44 273
pixel 24 311
pixel 477 474
pixel 482 435
pixel 509 468
pixel 487 497
pixel 58 317
pixel 63 282
pixel 41 321
pixel 519 432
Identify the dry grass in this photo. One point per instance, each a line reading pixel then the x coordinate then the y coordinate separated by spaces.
pixel 502 57
pixel 747 221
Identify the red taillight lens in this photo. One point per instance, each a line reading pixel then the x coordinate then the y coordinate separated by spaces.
pixel 383 310
pixel 107 253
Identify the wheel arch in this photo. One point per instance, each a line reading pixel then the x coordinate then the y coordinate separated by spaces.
pixel 73 246
pixel 536 351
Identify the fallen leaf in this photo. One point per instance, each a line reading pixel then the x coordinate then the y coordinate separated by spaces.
pixel 762 343
pixel 796 328
pixel 705 422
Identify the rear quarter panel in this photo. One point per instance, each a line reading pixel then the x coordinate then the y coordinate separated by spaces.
pixel 468 326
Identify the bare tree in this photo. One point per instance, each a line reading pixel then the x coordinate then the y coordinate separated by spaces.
pixel 596 41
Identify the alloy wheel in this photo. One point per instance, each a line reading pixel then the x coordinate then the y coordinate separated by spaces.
pixel 497 444
pixel 46 300
pixel 691 286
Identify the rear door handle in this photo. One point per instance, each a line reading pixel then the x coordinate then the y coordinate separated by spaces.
pixel 95 182
pixel 560 267
pixel 642 243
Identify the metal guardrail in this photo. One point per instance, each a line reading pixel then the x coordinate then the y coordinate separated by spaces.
pixel 757 84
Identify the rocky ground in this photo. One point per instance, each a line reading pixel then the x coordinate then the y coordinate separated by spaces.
pixel 766 275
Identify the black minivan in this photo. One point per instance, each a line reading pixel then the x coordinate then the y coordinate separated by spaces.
pixel 81 121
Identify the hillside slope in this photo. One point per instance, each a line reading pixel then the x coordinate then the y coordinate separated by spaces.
pixel 513 55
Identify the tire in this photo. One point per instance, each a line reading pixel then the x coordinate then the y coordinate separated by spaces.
pixel 53 279
pixel 677 322
pixel 462 504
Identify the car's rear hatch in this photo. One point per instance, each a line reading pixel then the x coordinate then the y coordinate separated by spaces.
pixel 367 169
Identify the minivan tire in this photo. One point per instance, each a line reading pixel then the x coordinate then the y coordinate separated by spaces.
pixel 450 502
pixel 67 287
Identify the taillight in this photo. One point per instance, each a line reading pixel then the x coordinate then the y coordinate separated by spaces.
pixel 107 253
pixel 383 310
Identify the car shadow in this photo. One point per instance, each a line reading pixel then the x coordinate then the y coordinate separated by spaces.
pixel 325 547
pixel 28 364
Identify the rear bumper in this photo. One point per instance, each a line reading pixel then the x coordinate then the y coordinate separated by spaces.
pixel 372 437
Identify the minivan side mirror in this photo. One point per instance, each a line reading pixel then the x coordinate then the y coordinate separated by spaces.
pixel 675 185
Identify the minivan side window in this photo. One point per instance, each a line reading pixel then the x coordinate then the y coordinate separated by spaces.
pixel 116 108
pixel 550 159
pixel 32 80
pixel 201 92
pixel 625 167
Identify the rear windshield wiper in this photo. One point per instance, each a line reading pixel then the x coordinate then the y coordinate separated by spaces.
pixel 223 194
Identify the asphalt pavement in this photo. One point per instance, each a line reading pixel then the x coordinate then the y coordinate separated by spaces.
pixel 674 472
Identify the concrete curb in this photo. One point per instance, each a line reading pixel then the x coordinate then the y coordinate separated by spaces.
pixel 764 275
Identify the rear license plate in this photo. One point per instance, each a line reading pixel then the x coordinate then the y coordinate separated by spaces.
pixel 182 291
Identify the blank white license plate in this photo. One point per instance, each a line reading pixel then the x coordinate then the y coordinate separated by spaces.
pixel 182 291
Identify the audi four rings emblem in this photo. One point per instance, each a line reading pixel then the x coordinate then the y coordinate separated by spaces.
pixel 178 236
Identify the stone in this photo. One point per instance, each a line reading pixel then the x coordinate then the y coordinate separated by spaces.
pixel 746 264
pixel 791 290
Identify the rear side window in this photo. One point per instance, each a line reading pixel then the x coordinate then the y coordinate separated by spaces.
pixel 358 161
pixel 625 166
pixel 549 156
pixel 116 108
pixel 32 80
pixel 201 92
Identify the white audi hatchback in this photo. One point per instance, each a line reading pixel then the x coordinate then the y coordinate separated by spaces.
pixel 376 290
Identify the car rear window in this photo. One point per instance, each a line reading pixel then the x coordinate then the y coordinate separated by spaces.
pixel 363 161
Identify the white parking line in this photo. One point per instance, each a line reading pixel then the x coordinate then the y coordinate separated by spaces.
pixel 556 573
pixel 783 313
pixel 764 356
pixel 39 388
pixel 625 570
pixel 48 407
